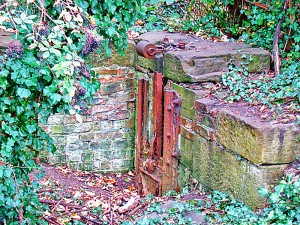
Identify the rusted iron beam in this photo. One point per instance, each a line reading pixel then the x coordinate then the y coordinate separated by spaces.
pixel 170 144
pixel 142 113
pixel 155 179
pixel 157 115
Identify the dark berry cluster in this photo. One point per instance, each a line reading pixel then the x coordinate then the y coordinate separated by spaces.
pixel 15 49
pixel 85 71
pixel 42 31
pixel 89 46
pixel 81 91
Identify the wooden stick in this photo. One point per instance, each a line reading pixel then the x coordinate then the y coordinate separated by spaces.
pixel 50 202
pixel 50 221
pixel 275 41
pixel 91 220
pixel 136 209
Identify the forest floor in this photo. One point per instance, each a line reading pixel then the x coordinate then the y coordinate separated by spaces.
pixel 73 196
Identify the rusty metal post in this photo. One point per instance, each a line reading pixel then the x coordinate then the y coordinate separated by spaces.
pixel 142 113
pixel 157 115
pixel 170 144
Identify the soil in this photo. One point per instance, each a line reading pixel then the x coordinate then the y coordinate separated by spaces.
pixel 93 198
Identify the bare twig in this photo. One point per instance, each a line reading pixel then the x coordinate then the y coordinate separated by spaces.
pixel 276 38
pixel 57 204
pixel 50 202
pixel 51 221
pixel 137 208
pixel 91 220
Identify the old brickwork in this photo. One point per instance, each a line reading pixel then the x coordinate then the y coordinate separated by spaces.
pixel 105 140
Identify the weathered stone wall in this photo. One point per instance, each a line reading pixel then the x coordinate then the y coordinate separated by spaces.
pixel 104 141
pixel 222 148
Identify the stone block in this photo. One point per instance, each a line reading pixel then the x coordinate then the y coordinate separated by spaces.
pixel 110 88
pixel 119 115
pixel 204 131
pixel 206 120
pixel 211 61
pixel 69 120
pixel 187 123
pixel 74 156
pixel 83 127
pixel 188 97
pixel 259 142
pixel 220 169
pixel 204 105
pixel 87 156
pixel 57 129
pixel 87 136
pixel 127 60
pixel 260 59
pixel 56 119
pixel 146 63
pixel 186 151
pixel 120 144
pixel 121 164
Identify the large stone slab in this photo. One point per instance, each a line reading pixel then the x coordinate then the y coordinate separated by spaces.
pixel 211 60
pixel 259 142
pixel 219 169
pixel 157 37
pixel 203 60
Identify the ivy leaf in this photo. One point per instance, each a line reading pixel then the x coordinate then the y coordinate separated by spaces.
pixel 31 128
pixel 263 192
pixel 23 92
pixel 55 51
pixel 110 31
pixel 46 54
pixel 82 4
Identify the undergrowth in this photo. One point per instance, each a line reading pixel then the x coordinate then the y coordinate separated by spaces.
pixel 275 92
pixel 250 22
pixel 282 208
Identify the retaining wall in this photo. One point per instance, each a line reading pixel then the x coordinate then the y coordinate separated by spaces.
pixel 225 147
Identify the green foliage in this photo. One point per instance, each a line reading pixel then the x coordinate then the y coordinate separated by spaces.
pixel 264 89
pixel 174 215
pixel 163 15
pixel 45 71
pixel 283 207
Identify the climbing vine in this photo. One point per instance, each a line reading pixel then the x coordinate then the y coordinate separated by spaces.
pixel 44 71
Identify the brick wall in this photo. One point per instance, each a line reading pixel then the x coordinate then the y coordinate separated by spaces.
pixel 105 140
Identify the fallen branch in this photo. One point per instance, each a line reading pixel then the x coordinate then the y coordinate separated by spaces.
pixel 261 5
pixel 57 204
pixel 276 38
pixel 91 220
pixel 51 221
pixel 136 209
pixel 132 203
pixel 50 202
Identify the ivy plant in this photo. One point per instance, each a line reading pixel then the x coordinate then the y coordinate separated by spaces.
pixel 45 70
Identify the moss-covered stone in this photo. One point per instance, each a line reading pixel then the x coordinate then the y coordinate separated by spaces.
pixel 222 170
pixel 259 142
pixel 146 63
pixel 128 59
pixel 188 97
pixel 211 61
pixel 57 129
pixel 186 151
